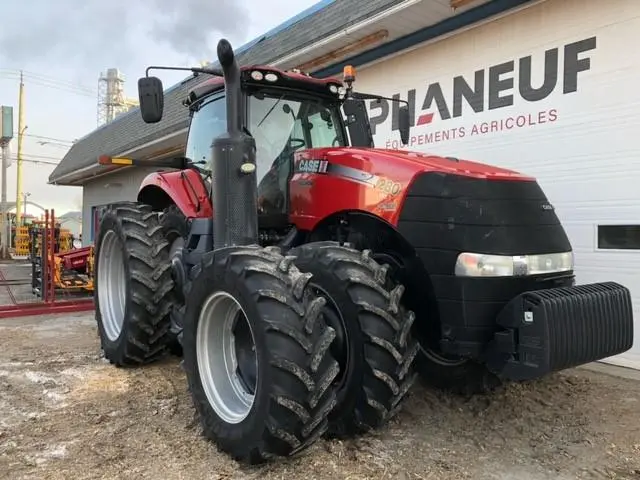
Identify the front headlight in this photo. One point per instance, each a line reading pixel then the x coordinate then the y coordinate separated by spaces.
pixel 481 265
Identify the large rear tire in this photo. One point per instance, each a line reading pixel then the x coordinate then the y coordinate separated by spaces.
pixel 374 345
pixel 132 285
pixel 256 354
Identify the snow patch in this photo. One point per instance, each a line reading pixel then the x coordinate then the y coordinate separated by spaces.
pixel 38 377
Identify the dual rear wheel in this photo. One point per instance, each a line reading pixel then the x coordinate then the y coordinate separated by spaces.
pixel 278 350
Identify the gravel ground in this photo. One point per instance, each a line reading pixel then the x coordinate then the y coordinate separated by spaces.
pixel 65 413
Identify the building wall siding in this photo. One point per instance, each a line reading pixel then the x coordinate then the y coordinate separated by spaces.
pixel 115 187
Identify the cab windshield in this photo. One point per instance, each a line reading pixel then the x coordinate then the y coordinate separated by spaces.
pixel 283 124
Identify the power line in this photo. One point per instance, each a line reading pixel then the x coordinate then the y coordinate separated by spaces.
pixel 56 145
pixel 29 160
pixel 57 80
pixel 35 155
pixel 47 79
pixel 50 82
pixel 41 137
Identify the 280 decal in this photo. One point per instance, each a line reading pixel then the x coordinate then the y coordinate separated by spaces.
pixel 388 186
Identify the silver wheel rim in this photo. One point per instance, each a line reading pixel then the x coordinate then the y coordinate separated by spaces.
pixel 112 288
pixel 217 356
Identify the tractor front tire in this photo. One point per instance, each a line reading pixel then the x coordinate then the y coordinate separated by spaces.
pixel 458 376
pixel 256 354
pixel 132 285
pixel 374 344
pixel 176 229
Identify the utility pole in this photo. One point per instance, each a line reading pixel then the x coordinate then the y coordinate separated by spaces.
pixel 21 129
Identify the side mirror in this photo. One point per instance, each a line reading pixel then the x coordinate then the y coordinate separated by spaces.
pixel 403 124
pixel 151 96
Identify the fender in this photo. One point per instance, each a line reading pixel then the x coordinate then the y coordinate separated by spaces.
pixel 185 188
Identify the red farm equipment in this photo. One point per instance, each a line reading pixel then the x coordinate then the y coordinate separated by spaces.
pixel 308 277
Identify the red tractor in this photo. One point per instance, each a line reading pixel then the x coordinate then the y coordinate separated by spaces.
pixel 301 271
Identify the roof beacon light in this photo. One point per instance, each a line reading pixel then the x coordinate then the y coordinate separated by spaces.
pixel 348 77
pixel 349 74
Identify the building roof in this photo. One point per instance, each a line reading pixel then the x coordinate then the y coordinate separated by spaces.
pixel 325 36
pixel 129 130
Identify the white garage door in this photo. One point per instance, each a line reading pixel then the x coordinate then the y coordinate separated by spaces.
pixel 551 91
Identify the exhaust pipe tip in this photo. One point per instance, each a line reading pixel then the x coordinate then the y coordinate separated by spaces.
pixel 226 56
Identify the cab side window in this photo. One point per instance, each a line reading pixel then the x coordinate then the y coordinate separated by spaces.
pixel 208 123
pixel 322 130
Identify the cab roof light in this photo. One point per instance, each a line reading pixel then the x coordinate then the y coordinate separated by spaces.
pixel 349 73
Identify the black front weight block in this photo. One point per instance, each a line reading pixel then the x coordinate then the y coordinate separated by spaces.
pixel 558 328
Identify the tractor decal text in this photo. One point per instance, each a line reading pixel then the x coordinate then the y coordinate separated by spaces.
pixel 489 89
pixel 312 166
pixel 324 167
pixel 388 186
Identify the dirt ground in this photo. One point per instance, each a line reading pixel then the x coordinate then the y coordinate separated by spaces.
pixel 66 414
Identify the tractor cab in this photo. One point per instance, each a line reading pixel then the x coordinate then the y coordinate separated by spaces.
pixel 286 112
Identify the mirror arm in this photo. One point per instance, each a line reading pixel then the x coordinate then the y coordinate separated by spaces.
pixel 216 72
pixel 368 96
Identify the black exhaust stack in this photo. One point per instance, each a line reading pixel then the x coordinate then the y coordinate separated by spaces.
pixel 234 192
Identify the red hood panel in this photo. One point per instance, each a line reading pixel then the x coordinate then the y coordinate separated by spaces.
pixel 418 161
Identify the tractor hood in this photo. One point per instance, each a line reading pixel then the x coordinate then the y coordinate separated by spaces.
pixel 378 160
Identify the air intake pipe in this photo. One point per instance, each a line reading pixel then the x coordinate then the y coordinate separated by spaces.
pixel 234 192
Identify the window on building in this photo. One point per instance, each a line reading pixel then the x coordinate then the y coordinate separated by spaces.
pixel 619 237
pixel 207 124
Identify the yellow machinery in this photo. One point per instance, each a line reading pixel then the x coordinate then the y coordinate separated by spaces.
pixel 22 241
pixel 72 268
pixel 65 241
pixel 80 275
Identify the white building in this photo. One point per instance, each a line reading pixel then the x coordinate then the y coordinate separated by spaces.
pixel 548 88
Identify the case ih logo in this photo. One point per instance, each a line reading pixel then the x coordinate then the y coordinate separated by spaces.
pixel 490 89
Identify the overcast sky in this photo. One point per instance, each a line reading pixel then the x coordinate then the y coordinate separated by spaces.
pixel 63 45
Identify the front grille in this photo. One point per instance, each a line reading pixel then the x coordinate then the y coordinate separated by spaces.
pixel 446 214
